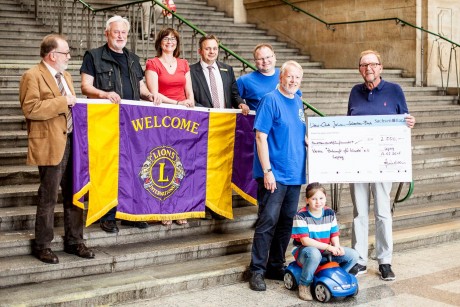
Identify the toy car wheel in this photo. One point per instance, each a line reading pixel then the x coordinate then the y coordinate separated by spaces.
pixel 290 281
pixel 322 293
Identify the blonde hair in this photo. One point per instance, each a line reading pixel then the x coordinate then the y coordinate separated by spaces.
pixel 366 52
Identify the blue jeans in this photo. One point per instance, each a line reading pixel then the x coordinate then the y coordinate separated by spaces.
pixel 311 258
pixel 273 226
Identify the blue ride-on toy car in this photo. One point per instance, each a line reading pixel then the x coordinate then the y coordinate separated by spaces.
pixel 330 280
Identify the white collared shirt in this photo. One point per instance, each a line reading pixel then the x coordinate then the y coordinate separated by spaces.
pixel 219 83
pixel 53 73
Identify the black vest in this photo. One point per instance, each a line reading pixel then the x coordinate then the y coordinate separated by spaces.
pixel 108 76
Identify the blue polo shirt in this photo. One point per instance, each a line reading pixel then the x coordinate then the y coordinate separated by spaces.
pixel 283 120
pixel 386 99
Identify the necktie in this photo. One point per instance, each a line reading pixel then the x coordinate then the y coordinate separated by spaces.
pixel 63 92
pixel 214 94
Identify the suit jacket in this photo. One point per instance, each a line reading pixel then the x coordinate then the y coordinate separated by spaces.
pixel 45 111
pixel 201 90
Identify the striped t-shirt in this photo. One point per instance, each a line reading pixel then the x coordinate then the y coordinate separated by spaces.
pixel 321 228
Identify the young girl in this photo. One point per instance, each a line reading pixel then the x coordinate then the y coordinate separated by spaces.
pixel 315 230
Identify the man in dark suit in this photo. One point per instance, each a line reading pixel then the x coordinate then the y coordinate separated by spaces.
pixel 47 95
pixel 214 84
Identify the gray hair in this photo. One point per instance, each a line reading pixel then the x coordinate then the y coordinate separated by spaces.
pixel 290 63
pixel 116 18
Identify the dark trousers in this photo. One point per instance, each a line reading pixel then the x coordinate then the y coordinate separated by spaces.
pixel 273 226
pixel 51 177
pixel 110 215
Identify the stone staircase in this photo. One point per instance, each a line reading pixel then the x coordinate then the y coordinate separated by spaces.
pixel 138 264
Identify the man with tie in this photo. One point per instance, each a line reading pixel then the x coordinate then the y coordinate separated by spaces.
pixel 214 84
pixel 47 96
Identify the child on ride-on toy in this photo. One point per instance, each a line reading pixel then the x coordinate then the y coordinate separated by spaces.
pixel 315 230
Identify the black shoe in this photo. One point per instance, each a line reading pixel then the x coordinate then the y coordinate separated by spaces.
pixel 257 282
pixel 211 215
pixel 386 273
pixel 358 269
pixel 79 249
pixel 109 226
pixel 140 225
pixel 277 274
pixel 46 255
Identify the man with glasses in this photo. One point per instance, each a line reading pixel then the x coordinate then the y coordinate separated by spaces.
pixel 374 97
pixel 113 72
pixel 47 95
pixel 279 169
pixel 255 85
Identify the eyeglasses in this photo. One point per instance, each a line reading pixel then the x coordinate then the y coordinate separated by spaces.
pixel 169 39
pixel 371 65
pixel 265 58
pixel 65 53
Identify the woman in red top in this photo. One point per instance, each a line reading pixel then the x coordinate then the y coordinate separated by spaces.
pixel 168 77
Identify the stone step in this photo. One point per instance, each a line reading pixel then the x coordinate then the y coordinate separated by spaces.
pixel 14 138
pixel 427 128
pixel 433 192
pixel 404 217
pixel 335 75
pixel 18 241
pixel 19 195
pixel 410 99
pixel 416 110
pixel 437 133
pixel 131 256
pixel 436 160
pixel 13 80
pixel 424 194
pixel 13 156
pixel 310 93
pixel 18 174
pixel 349 82
pixel 152 281
pixel 435 146
pixel 17 211
pixel 12 122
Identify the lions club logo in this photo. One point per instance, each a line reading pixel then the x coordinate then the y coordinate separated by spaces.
pixel 162 172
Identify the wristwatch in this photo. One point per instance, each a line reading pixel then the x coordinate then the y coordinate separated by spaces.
pixel 267 170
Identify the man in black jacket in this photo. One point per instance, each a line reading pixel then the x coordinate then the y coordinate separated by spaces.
pixel 214 84
pixel 113 72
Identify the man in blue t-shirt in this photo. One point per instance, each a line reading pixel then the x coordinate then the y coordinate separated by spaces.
pixel 279 168
pixel 255 85
pixel 374 97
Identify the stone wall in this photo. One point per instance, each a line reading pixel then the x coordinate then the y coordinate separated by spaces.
pixel 400 46
pixel 442 18
pixel 233 8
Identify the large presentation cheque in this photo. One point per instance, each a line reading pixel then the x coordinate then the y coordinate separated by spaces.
pixel 359 149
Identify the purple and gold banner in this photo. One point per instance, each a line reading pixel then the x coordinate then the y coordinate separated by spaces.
pixel 160 163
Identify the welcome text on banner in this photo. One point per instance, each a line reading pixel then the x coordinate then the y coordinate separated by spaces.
pixel 160 163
